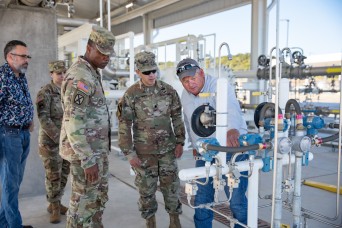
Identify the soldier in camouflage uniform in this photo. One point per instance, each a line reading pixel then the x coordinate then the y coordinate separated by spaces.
pixel 152 109
pixel 85 135
pixel 50 114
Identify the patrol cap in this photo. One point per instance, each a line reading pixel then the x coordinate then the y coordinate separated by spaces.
pixel 103 39
pixel 145 61
pixel 186 67
pixel 57 66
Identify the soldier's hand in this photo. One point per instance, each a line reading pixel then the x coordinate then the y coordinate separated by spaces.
pixel 92 173
pixel 135 162
pixel 233 138
pixel 178 150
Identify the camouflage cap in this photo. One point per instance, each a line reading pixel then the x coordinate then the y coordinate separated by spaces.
pixel 57 66
pixel 145 61
pixel 103 39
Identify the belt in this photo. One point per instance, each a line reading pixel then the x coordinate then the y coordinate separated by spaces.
pixel 20 127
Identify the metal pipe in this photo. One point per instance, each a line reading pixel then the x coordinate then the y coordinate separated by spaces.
pixel 199 172
pixel 101 12
pixel 297 204
pixel 252 194
pixel 288 50
pixel 71 21
pixel 31 2
pixel 270 76
pixel 229 56
pixel 222 109
pixel 299 72
pixel 275 219
pixel 108 17
pixel 278 203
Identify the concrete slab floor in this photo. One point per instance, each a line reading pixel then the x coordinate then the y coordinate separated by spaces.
pixel 122 210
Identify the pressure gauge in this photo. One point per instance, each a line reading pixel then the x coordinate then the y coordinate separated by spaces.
pixel 284 145
pixel 301 143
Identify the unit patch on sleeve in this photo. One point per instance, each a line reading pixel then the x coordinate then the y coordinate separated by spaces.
pixel 80 99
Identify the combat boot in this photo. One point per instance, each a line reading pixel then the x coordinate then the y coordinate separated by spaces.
pixel 174 221
pixel 55 216
pixel 63 208
pixel 151 222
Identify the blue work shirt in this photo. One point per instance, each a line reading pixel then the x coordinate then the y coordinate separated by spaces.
pixel 16 106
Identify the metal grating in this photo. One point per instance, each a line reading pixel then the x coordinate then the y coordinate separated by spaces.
pixel 222 209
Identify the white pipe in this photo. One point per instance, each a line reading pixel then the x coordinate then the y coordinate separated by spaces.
pixel 108 17
pixel 252 194
pixel 277 198
pixel 101 13
pixel 131 58
pixel 297 205
pixel 253 180
pixel 199 172
pixel 222 110
pixel 276 116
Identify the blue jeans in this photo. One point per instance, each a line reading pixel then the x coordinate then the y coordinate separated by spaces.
pixel 14 149
pixel 203 218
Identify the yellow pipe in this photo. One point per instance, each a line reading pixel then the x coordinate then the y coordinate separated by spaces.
pixel 327 187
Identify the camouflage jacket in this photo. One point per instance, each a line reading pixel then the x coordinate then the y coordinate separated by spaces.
pixel 85 133
pixel 154 115
pixel 50 114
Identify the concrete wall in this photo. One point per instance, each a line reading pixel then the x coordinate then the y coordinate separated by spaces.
pixel 38 29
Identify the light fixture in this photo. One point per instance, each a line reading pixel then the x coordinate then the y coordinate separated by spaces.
pixel 129 5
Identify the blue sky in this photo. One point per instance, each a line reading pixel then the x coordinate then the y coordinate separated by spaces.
pixel 314 25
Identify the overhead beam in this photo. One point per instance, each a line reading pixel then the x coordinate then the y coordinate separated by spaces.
pixel 142 10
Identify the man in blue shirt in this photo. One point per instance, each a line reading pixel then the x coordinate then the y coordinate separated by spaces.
pixel 16 122
pixel 195 82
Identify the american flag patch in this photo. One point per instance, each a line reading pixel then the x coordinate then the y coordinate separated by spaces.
pixel 83 87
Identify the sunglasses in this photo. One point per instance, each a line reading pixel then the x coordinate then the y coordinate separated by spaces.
pixel 185 67
pixel 149 72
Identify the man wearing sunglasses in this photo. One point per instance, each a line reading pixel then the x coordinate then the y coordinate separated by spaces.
pixel 152 109
pixel 16 122
pixel 195 81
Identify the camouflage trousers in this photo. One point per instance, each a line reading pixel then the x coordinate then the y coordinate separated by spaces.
pixel 164 167
pixel 88 200
pixel 56 172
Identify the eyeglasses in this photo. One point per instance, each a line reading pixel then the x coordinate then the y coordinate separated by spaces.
pixel 22 56
pixel 185 67
pixel 149 72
